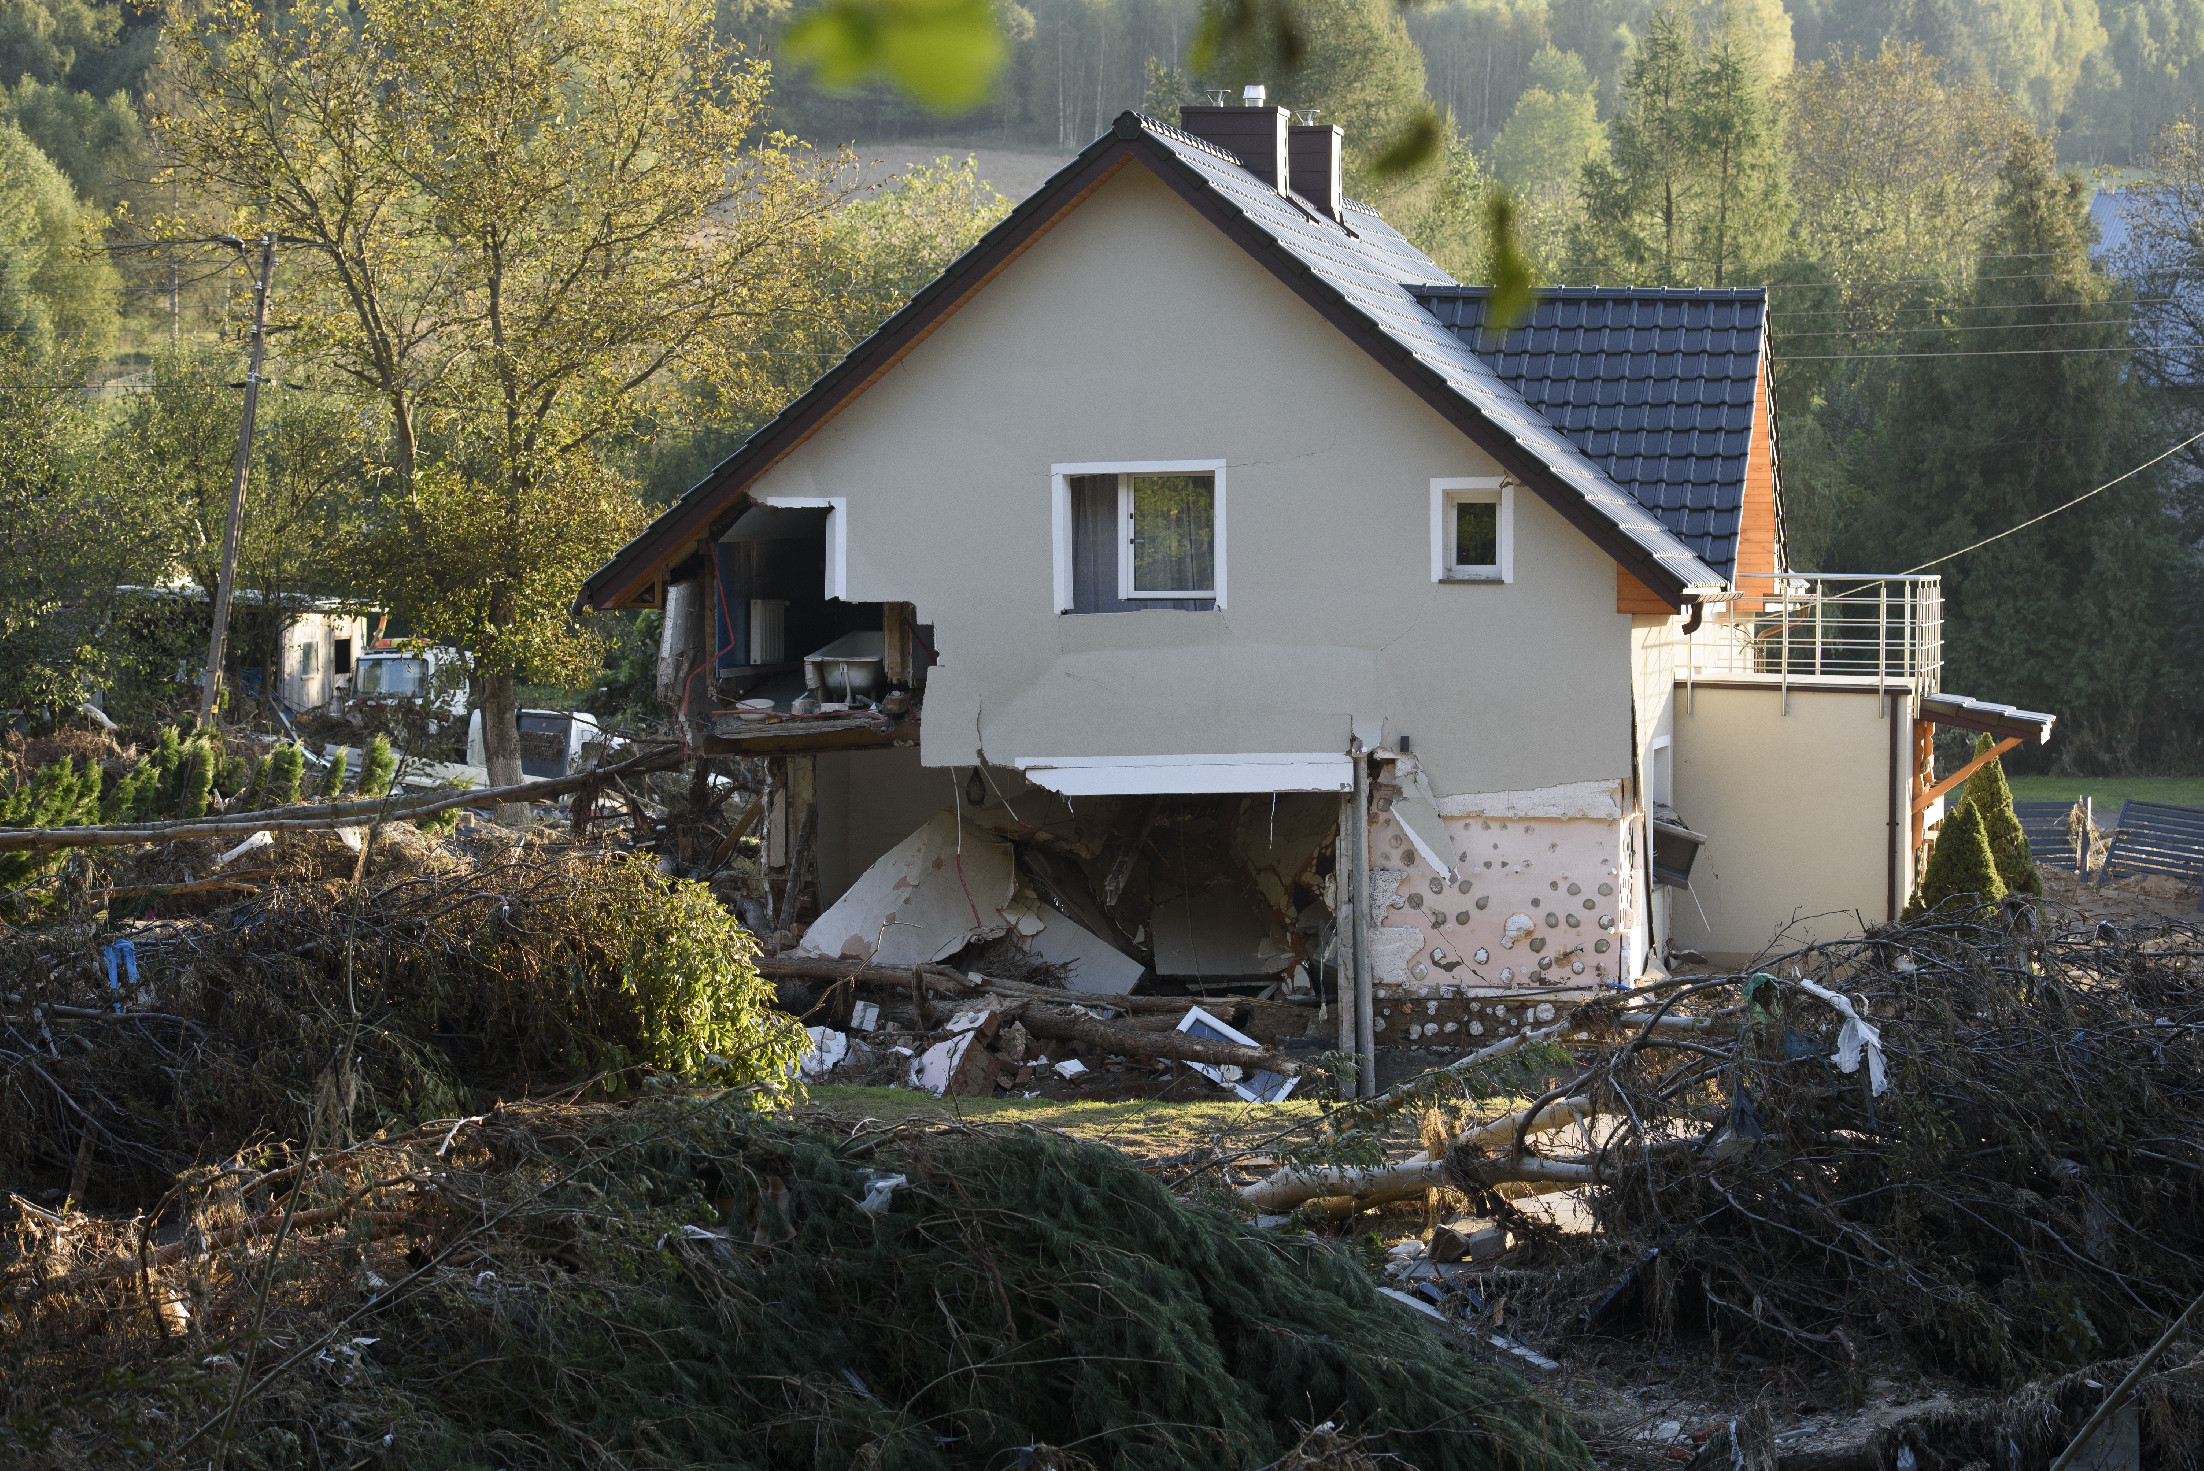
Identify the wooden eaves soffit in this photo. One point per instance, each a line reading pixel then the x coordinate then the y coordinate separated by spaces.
pixel 2013 727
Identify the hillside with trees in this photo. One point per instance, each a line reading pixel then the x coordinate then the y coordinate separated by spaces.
pixel 1954 354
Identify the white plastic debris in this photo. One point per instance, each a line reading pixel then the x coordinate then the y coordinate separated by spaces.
pixel 1264 1087
pixel 879 1190
pixel 1857 1034
pixel 351 837
pixel 828 1048
pixel 258 840
pixel 1070 1067
pixel 864 1016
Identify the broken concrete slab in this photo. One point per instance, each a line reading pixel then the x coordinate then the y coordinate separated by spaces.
pixel 935 892
pixel 1468 1239
pixel 1091 963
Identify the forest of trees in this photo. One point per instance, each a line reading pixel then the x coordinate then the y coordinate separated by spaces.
pixel 1954 354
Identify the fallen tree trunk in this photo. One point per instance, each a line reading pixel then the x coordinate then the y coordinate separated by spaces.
pixel 1127 1040
pixel 826 968
pixel 305 819
pixel 1375 1184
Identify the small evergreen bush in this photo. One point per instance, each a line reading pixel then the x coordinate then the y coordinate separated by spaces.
pixel 377 770
pixel 282 775
pixel 1960 866
pixel 1988 794
pixel 195 778
pixel 332 785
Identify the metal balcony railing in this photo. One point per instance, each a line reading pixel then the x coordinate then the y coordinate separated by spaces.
pixel 1823 629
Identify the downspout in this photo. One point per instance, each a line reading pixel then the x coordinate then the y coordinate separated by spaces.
pixel 1898 792
pixel 1691 619
pixel 1359 852
pixel 1347 927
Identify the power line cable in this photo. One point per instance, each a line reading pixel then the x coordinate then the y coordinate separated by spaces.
pixel 2047 515
pixel 1980 352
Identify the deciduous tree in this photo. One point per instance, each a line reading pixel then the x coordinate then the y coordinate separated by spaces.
pixel 511 227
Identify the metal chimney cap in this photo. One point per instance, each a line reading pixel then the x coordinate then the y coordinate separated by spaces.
pixel 1254 95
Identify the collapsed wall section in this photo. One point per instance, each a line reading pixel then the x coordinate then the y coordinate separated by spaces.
pixel 1541 899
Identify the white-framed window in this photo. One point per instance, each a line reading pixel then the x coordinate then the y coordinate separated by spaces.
pixel 1473 530
pixel 1139 534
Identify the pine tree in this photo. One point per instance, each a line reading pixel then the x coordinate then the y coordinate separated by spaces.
pixel 285 770
pixel 377 769
pixel 1960 864
pixel 1637 208
pixel 1988 794
pixel 332 785
pixel 1733 133
pixel 2081 614
pixel 195 778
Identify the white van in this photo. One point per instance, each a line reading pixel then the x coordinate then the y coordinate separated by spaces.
pixel 551 741
pixel 390 673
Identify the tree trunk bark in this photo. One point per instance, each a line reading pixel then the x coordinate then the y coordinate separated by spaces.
pixel 1289 1187
pixel 501 741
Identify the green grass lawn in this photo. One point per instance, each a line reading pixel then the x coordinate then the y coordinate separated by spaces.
pixel 2106 793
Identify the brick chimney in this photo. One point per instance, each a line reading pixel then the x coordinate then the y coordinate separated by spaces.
pixel 1256 132
pixel 1313 165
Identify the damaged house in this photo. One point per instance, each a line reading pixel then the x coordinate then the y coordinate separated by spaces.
pixel 1192 569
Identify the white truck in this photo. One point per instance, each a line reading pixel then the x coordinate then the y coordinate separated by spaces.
pixel 389 672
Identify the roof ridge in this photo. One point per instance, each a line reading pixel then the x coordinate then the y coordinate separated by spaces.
pixel 1194 140
pixel 1684 293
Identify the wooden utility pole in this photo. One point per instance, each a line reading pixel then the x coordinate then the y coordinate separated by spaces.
pixel 211 687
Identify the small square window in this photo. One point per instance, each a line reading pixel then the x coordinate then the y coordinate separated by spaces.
pixel 1471 531
pixel 1476 535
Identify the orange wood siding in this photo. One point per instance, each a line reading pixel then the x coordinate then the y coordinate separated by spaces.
pixel 1633 596
pixel 1756 526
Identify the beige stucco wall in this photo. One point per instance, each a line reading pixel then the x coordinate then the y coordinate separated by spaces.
pixel 1134 330
pixel 1796 813
pixel 869 801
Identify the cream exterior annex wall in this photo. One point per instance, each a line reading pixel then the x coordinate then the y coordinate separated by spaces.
pixel 1134 330
pixel 1795 809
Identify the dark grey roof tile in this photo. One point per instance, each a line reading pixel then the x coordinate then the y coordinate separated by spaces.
pixel 1656 385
